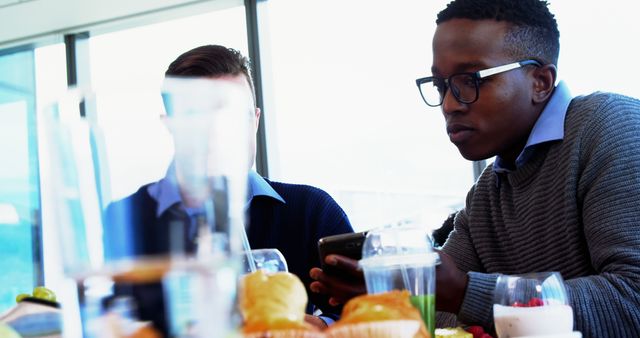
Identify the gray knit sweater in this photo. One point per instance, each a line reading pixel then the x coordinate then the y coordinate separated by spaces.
pixel 574 207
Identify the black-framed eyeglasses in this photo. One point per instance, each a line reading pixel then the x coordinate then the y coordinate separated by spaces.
pixel 464 86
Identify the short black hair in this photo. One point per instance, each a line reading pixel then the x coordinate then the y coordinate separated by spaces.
pixel 211 61
pixel 534 33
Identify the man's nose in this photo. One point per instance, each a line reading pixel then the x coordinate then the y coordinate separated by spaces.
pixel 450 103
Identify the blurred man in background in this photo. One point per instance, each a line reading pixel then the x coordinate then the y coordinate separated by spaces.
pixel 289 217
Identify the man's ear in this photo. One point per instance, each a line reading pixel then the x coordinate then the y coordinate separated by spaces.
pixel 544 78
pixel 257 117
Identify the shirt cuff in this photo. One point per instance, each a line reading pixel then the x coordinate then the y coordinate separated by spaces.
pixel 477 306
pixel 327 320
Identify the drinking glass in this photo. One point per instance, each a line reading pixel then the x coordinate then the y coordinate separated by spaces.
pixel 401 258
pixel 270 260
pixel 167 253
pixel 534 304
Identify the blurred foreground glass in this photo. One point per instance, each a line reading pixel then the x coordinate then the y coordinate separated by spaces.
pixel 401 258
pixel 534 304
pixel 132 261
pixel 20 209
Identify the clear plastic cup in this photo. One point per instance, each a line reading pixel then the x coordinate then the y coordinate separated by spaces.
pixel 401 258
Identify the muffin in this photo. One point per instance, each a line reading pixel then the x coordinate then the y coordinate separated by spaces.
pixel 383 315
pixel 273 305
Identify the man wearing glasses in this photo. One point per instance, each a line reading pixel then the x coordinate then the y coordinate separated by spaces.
pixel 562 193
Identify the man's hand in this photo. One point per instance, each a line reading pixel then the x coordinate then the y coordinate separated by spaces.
pixel 339 287
pixel 315 321
pixel 451 284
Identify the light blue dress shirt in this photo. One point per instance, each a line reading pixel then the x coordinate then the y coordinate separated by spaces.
pixel 167 193
pixel 548 127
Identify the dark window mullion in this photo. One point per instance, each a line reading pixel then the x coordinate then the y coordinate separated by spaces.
pixel 254 54
pixel 77 55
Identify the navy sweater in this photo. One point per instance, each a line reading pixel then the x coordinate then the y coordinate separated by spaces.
pixel 293 227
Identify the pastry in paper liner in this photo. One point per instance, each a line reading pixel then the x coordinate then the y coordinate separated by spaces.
pixel 273 305
pixel 285 334
pixel 378 329
pixel 384 312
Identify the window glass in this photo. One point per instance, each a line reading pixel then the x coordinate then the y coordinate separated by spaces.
pixel 344 113
pixel 597 52
pixel 19 195
pixel 141 55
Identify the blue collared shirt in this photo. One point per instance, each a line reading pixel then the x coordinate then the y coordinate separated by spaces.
pixel 548 127
pixel 167 193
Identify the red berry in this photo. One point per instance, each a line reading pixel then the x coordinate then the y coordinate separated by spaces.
pixel 476 330
pixel 518 304
pixel 535 302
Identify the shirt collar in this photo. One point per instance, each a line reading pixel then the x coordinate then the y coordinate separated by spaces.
pixel 258 186
pixel 166 192
pixel 548 127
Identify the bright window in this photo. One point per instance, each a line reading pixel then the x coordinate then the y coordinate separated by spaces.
pixel 345 112
pixel 142 55
pixel 598 48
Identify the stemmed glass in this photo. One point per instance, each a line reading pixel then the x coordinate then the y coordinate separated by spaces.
pixel 531 304
pixel 270 260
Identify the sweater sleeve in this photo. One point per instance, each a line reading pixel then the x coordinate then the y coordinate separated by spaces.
pixel 607 303
pixel 459 245
pixel 332 219
pixel 329 219
pixel 479 291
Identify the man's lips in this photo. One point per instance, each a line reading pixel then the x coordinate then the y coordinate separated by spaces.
pixel 459 133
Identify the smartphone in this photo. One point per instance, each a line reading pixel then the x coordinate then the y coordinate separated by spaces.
pixel 349 245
